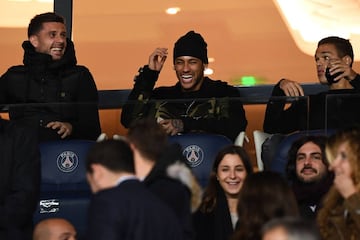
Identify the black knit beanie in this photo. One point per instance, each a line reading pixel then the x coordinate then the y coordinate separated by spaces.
pixel 191 44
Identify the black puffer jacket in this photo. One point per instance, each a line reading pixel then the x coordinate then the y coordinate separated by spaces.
pixel 19 181
pixel 42 89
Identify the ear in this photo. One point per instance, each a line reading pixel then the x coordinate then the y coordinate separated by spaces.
pixel 34 41
pixel 97 172
pixel 348 60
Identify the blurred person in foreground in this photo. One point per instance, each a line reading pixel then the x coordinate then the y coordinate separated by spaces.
pixel 54 229
pixel 19 180
pixel 162 168
pixel 290 228
pixel 339 218
pixel 264 195
pixel 122 208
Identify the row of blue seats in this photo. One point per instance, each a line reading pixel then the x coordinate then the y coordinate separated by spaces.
pixel 65 192
pixel 64 189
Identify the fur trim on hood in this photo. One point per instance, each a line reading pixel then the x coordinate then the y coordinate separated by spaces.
pixel 182 172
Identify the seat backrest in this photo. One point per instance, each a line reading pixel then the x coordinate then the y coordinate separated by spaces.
pixel 64 191
pixel 200 150
pixel 259 138
pixel 279 162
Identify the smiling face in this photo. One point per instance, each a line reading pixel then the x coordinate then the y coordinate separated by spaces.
pixel 51 39
pixel 190 72
pixel 341 162
pixel 231 174
pixel 309 163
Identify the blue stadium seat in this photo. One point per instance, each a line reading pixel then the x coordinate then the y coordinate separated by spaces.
pixel 200 150
pixel 64 190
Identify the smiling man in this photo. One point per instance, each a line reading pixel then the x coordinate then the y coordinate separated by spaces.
pixel 307 170
pixel 195 103
pixel 53 95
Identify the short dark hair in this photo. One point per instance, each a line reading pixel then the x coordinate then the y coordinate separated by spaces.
pixel 36 24
pixel 149 138
pixel 318 140
pixel 115 155
pixel 296 228
pixel 343 46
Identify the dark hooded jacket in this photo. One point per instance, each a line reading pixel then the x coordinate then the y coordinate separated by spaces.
pixel 43 90
pixel 215 224
pixel 174 183
pixel 19 181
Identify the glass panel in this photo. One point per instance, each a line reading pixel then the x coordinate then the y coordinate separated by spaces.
pixel 286 114
pixel 342 110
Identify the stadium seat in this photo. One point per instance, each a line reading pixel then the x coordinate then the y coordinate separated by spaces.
pixel 200 150
pixel 278 164
pixel 64 191
pixel 259 138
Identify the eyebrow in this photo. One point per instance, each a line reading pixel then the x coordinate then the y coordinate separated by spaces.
pixel 312 153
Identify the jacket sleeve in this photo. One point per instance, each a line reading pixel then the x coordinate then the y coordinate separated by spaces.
pixel 87 123
pixel 356 82
pixel 21 157
pixel 229 125
pixel 279 120
pixel 137 106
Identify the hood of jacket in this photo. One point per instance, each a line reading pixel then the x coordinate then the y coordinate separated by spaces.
pixel 41 61
pixel 172 164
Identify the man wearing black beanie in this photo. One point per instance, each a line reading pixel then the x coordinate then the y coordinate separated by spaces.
pixel 195 103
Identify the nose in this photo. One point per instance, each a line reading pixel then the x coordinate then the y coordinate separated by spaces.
pixel 307 161
pixel 232 174
pixel 186 67
pixel 335 163
pixel 60 38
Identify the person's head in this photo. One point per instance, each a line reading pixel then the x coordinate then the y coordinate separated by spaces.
pixel 54 229
pixel 190 60
pixel 343 153
pixel 47 33
pixel 106 160
pixel 148 137
pixel 330 48
pixel 231 166
pixel 264 195
pixel 290 228
pixel 307 160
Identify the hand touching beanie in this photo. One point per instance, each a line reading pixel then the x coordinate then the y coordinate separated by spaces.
pixel 191 44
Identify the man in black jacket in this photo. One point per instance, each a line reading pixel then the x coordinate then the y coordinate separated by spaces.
pixel 164 172
pixel 122 208
pixel 50 93
pixel 195 104
pixel 330 109
pixel 19 181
